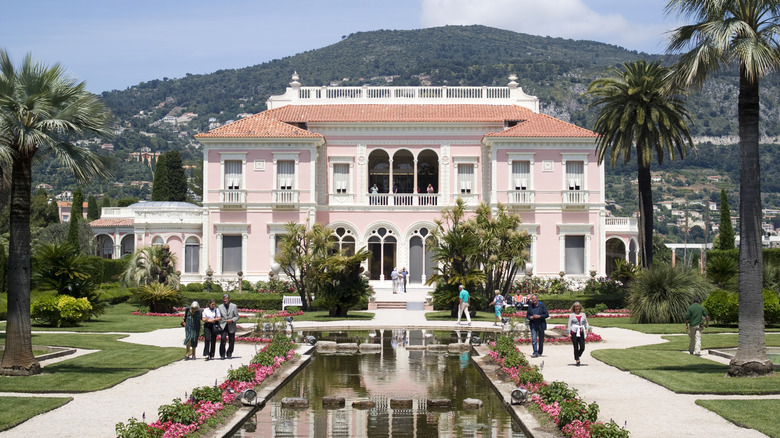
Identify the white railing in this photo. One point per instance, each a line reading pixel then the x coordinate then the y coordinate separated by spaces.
pixel 116 212
pixel 574 198
pixel 285 197
pixel 616 224
pixel 404 199
pixel 232 196
pixel 520 197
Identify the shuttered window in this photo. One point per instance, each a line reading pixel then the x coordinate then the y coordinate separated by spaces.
pixel 521 174
pixel 575 171
pixel 285 174
pixel 465 178
pixel 233 174
pixel 231 253
pixel 341 178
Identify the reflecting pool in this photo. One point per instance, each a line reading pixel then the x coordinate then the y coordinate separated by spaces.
pixel 400 368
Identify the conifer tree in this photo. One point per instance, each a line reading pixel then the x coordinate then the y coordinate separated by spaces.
pixel 726 238
pixel 160 188
pixel 76 214
pixel 92 209
pixel 177 179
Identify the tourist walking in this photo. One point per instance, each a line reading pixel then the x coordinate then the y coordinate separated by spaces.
pixel 578 329
pixel 463 303
pixel 394 280
pixel 498 302
pixel 537 315
pixel 229 312
pixel 210 328
pixel 191 324
pixel 694 317
pixel 404 274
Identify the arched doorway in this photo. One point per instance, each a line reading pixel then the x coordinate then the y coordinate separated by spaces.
pixel 428 171
pixel 616 250
pixel 403 172
pixel 379 171
pixel 128 244
pixel 104 246
pixel 632 246
pixel 420 257
pixel 382 244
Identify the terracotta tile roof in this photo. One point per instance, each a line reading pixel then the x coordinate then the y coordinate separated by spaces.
pixel 398 113
pixel 107 222
pixel 258 125
pixel 542 125
pixel 277 122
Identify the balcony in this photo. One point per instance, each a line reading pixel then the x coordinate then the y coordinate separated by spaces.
pixel 232 198
pixel 404 199
pixel 573 199
pixel 621 224
pixel 285 199
pixel 520 198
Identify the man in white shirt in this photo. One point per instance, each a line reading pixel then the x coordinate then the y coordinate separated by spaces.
pixel 229 312
pixel 394 279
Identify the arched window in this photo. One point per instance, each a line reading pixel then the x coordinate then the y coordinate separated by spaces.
pixel 192 256
pixel 382 244
pixel 157 241
pixel 343 241
pixel 420 256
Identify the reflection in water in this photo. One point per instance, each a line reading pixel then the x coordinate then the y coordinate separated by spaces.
pixel 396 371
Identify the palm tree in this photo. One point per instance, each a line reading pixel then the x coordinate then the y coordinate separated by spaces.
pixel 741 33
pixel 42 111
pixel 640 108
pixel 152 264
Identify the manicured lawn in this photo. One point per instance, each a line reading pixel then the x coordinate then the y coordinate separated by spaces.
pixel 118 318
pixel 670 365
pixel 761 415
pixel 113 363
pixel 664 329
pixel 322 315
pixel 15 410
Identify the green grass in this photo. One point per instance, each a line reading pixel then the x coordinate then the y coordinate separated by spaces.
pixel 118 318
pixel 660 329
pixel 670 365
pixel 15 410
pixel 115 362
pixel 761 415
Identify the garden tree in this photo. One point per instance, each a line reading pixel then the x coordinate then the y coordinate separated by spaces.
pixel 340 283
pixel 160 188
pixel 455 248
pixel 726 237
pixel 196 183
pixel 58 233
pixel 92 209
pixel 503 247
pixel 43 210
pixel 177 178
pixel 742 33
pixel 301 249
pixel 151 264
pixel 42 111
pixel 640 108
pixel 61 267
pixel 662 293
pixel 124 202
pixel 76 216
pixel 106 202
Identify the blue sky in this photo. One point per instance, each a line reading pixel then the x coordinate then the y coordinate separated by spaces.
pixel 114 45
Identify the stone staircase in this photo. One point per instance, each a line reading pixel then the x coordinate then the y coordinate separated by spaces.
pixel 384 297
pixel 391 305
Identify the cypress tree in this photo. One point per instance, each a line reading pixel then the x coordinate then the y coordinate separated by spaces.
pixel 106 202
pixel 92 209
pixel 726 238
pixel 177 179
pixel 76 214
pixel 160 187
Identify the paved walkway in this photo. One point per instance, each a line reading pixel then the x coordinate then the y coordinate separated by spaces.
pixel 646 409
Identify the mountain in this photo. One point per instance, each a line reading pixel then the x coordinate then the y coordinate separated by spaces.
pixel 556 70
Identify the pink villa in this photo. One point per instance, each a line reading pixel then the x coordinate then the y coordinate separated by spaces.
pixel 378 164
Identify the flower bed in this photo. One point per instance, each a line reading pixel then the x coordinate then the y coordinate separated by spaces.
pixel 559 313
pixel 180 313
pixel 208 404
pixel 561 404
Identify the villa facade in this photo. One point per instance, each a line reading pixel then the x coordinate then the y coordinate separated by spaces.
pixel 378 164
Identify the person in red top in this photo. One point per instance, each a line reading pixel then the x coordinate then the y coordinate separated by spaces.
pixel 578 328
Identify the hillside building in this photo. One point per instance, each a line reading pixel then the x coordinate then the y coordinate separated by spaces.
pixel 378 164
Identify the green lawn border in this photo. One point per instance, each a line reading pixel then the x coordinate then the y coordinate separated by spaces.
pixel 17 410
pixel 761 415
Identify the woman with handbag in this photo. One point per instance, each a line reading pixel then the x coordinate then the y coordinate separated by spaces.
pixel 578 328
pixel 191 324
pixel 211 319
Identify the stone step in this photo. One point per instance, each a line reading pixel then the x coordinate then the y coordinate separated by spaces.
pixel 391 304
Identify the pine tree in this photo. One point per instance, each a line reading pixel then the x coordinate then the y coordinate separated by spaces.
pixel 726 238
pixel 160 187
pixel 92 209
pixel 177 178
pixel 76 214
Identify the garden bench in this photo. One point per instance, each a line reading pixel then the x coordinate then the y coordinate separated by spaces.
pixel 291 300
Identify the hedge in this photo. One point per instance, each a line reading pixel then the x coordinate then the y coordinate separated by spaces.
pixel 612 301
pixel 113 269
pixel 244 300
pixel 771 255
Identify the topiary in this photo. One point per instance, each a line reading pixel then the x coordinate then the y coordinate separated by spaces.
pixel 194 287
pixel 722 306
pixel 59 310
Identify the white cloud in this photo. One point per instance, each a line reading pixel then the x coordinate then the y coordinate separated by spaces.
pixel 557 18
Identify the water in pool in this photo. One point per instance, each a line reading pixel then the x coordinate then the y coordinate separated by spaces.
pixel 396 371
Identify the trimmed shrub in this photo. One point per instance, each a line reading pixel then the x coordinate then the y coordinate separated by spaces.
pixel 243 301
pixel 114 293
pixel 193 287
pixel 241 374
pixel 113 269
pixel 771 307
pixel 177 412
pixel 722 306
pixel 246 285
pixel 611 301
pixel 207 393
pixel 59 310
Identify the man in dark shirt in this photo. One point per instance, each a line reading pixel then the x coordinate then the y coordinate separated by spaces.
pixel 694 317
pixel 537 322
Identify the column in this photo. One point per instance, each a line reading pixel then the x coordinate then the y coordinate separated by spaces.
pixel 218 269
